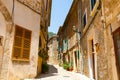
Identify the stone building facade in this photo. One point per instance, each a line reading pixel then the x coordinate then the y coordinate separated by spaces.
pixel 99 41
pixel 43 39
pixel 69 40
pixel 111 16
pixel 99 25
pixel 53 50
pixel 19 35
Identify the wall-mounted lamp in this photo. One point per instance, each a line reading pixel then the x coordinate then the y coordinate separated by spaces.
pixel 75 30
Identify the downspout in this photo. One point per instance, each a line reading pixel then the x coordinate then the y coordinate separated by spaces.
pixel 13 12
pixel 12 25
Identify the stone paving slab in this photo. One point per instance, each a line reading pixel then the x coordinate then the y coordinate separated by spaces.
pixel 60 74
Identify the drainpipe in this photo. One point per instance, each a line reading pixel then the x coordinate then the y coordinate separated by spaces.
pixel 12 25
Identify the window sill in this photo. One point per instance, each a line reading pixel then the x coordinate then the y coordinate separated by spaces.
pixel 22 60
pixel 85 28
pixel 95 8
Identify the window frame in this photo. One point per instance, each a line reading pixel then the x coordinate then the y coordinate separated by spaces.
pixel 22 45
pixel 85 14
pixel 116 48
pixel 1 40
pixel 92 11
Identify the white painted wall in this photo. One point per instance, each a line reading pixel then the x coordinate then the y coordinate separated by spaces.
pixel 2 26
pixel 30 20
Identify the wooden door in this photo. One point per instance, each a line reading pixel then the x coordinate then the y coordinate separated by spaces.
pixel 116 37
pixel 1 53
pixel 75 53
pixel 93 59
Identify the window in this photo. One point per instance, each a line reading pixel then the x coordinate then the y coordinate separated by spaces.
pixel 0 42
pixel 40 43
pixel 21 46
pixel 84 19
pixel 46 5
pixel 92 4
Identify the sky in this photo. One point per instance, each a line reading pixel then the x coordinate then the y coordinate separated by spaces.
pixel 60 9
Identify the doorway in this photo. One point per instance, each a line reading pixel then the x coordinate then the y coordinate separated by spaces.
pixel 92 59
pixel 75 53
pixel 1 53
pixel 116 38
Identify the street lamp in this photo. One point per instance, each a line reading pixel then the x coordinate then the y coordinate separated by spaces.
pixel 76 30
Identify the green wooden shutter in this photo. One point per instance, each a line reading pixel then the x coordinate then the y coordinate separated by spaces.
pixel 78 54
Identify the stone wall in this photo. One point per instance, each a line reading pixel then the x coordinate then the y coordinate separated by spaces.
pixel 33 4
pixel 94 30
pixel 53 51
pixel 112 21
pixel 105 21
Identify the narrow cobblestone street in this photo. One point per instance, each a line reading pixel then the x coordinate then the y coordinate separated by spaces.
pixel 59 39
pixel 58 73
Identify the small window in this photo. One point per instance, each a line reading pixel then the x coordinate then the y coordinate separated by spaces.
pixel 46 5
pixel 93 2
pixel 84 19
pixel 21 47
pixel 40 43
pixel 0 41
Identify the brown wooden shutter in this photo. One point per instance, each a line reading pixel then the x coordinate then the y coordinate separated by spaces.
pixel 17 43
pixel 26 45
pixel 22 41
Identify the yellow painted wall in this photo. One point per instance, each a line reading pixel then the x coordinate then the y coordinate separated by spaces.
pixel 39 65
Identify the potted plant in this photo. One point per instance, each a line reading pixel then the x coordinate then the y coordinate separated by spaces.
pixel 70 68
pixel 45 68
pixel 66 65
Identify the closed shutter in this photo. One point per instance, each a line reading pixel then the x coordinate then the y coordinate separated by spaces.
pixel 22 41
pixel 26 45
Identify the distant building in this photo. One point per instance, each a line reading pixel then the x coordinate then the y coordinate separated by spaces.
pixel 53 50
pixel 69 47
pixel 19 37
pixel 50 34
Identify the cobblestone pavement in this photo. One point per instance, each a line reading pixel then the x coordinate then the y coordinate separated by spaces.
pixel 58 73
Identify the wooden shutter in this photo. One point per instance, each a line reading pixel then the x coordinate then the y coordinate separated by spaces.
pixel 26 45
pixel 22 41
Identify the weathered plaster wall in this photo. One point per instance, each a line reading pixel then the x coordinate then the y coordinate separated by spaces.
pixel 52 52
pixel 94 32
pixel 28 19
pixel 112 21
pixel 2 25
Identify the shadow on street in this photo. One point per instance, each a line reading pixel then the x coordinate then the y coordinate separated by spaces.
pixel 52 72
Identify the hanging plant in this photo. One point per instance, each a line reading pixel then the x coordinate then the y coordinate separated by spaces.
pixel 40 54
